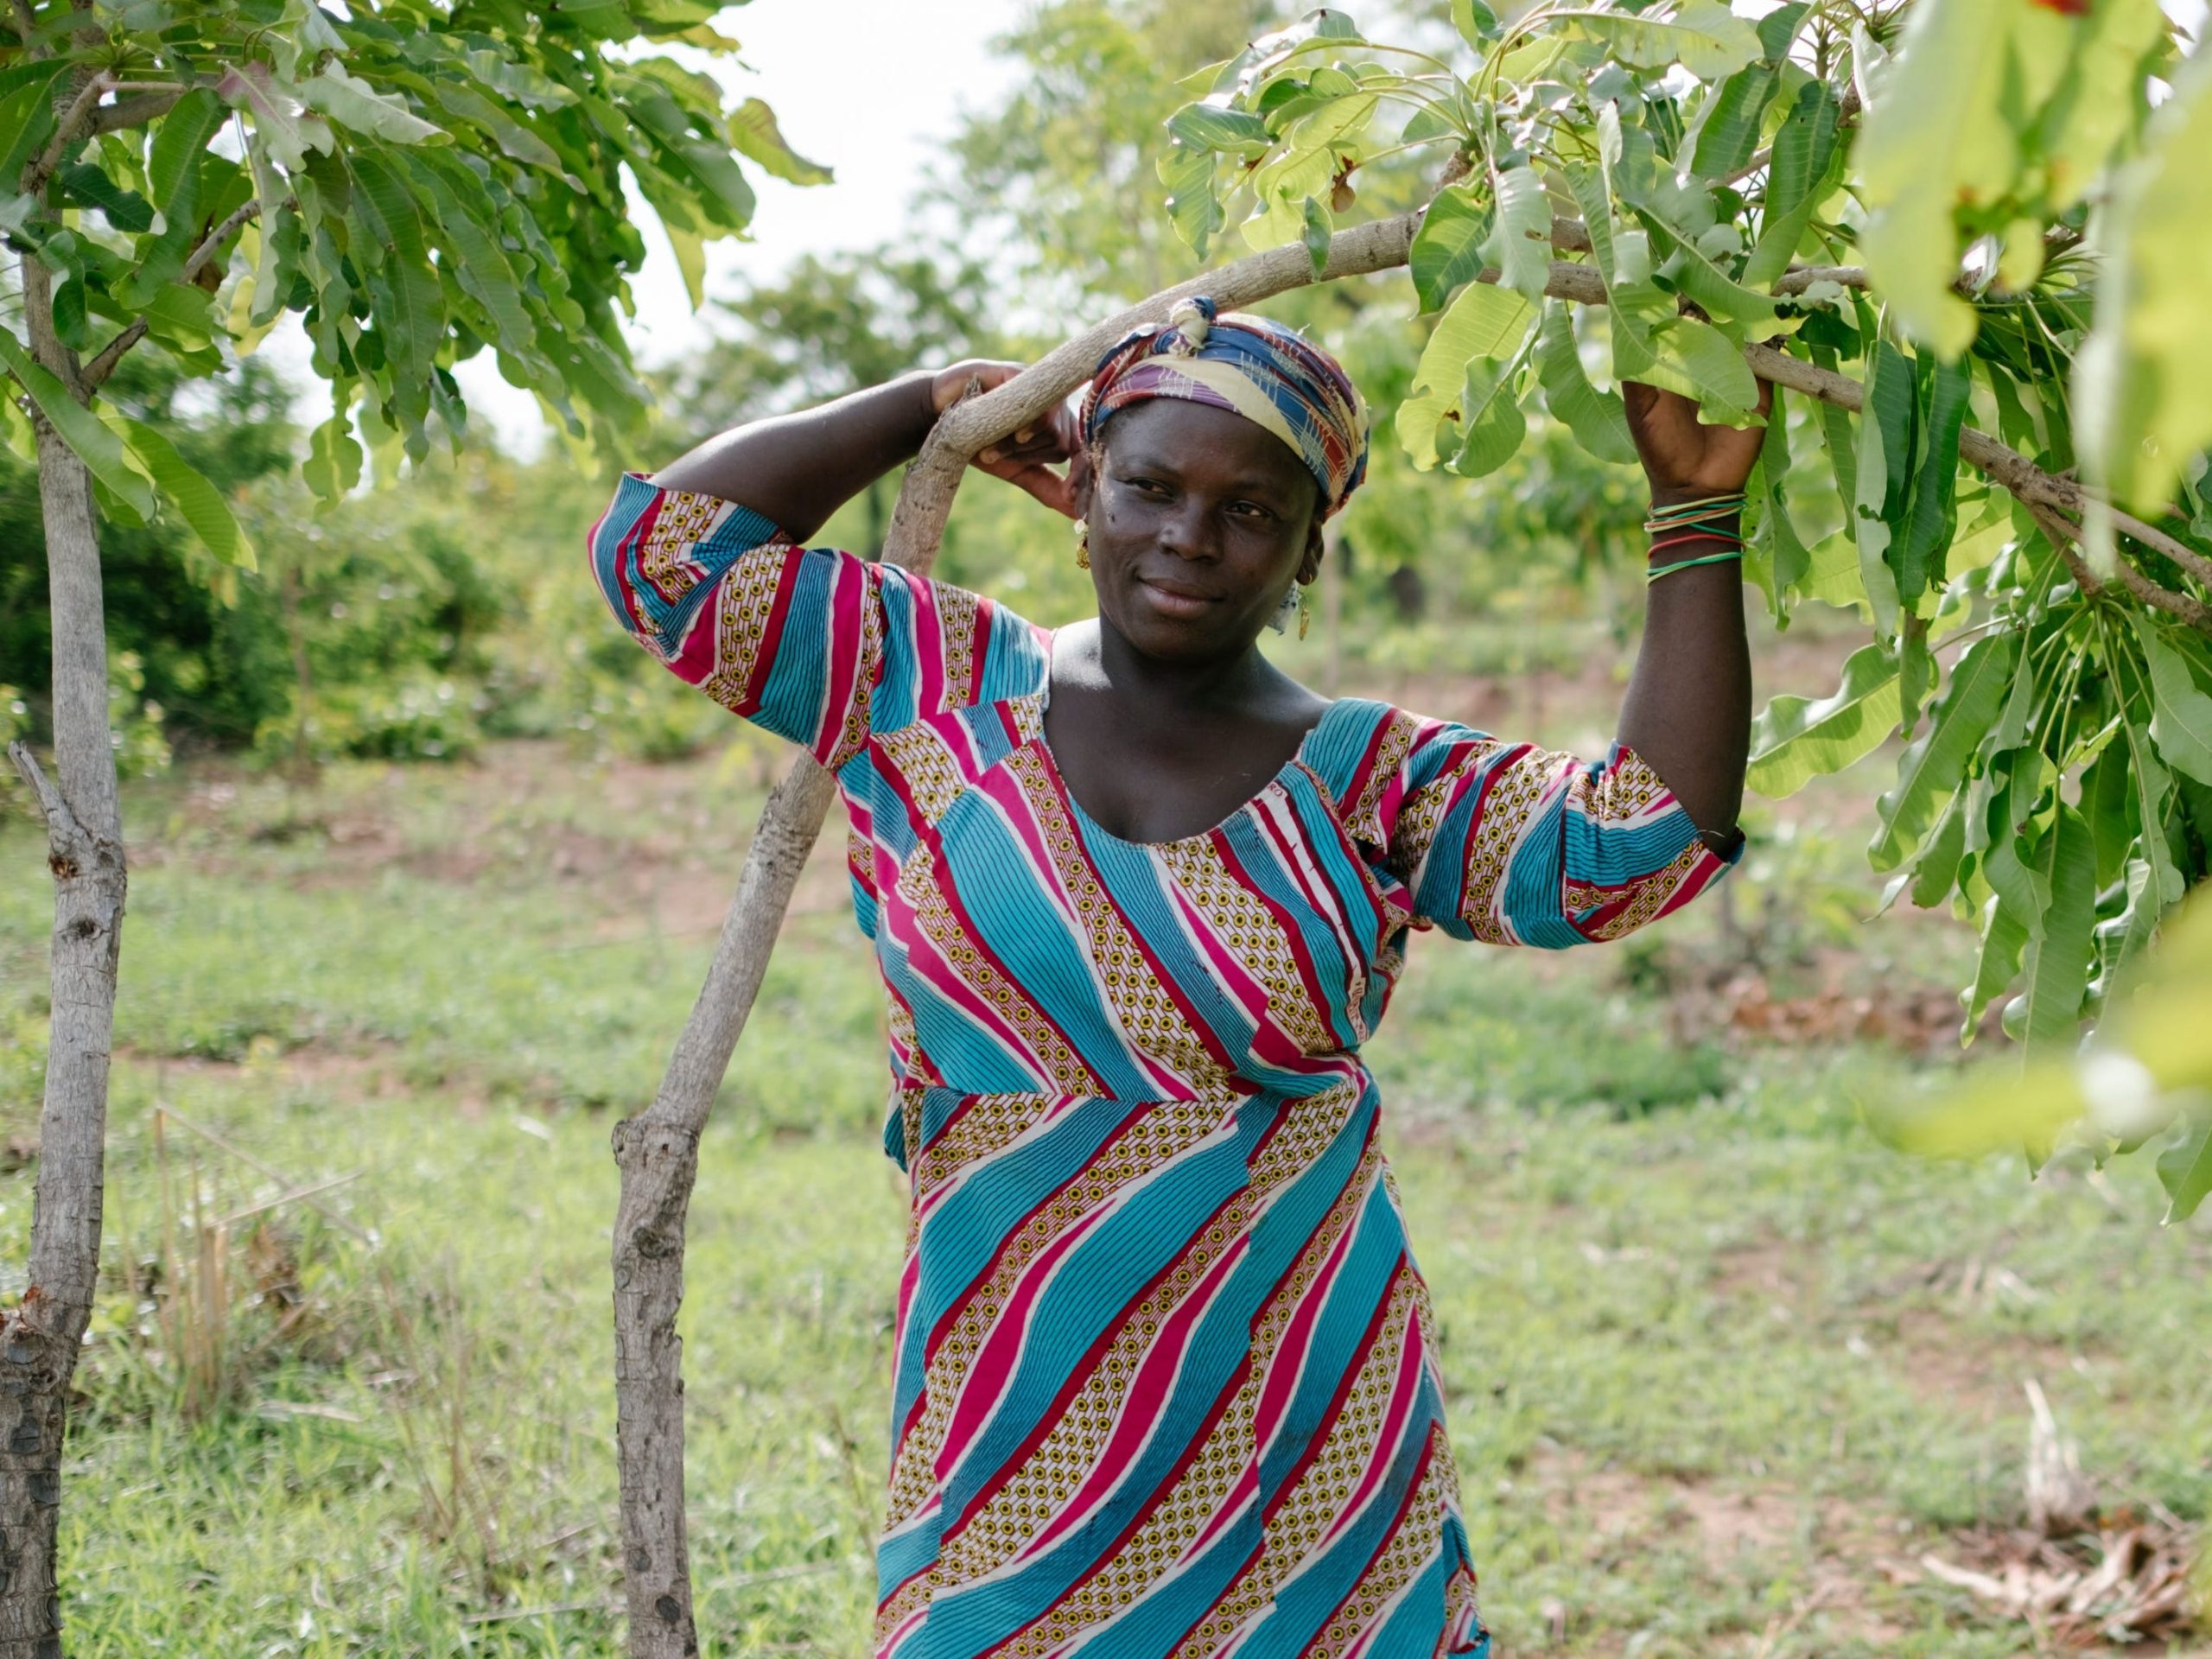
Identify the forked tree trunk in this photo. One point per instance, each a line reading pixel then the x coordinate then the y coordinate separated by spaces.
pixel 40 1335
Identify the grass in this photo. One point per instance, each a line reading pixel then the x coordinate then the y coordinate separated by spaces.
pixel 1719 1362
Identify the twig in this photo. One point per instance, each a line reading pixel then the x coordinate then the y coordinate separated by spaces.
pixel 134 112
pixel 296 1195
pixel 59 820
pixel 216 237
pixel 275 1174
pixel 65 132
pixel 97 371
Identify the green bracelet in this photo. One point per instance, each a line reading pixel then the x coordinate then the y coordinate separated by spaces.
pixel 1651 576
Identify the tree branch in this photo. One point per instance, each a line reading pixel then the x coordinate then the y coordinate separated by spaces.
pixel 66 133
pixel 97 371
pixel 134 112
pixel 215 239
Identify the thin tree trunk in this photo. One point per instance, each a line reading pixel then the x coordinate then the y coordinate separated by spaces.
pixel 39 1337
pixel 296 628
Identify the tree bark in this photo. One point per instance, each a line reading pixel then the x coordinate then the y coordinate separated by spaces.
pixel 39 1337
pixel 657 1151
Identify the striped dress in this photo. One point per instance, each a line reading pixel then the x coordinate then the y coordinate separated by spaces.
pixel 1165 1381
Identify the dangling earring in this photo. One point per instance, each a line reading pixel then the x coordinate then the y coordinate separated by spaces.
pixel 1305 616
pixel 1082 545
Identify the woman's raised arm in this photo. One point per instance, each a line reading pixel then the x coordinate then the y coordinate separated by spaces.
pixel 796 470
pixel 1688 708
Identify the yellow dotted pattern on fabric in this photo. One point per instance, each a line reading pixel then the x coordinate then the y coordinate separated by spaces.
pixel 956 610
pixel 740 622
pixel 1165 1133
pixel 1139 1003
pixel 1051 1474
pixel 1253 936
pixel 933 913
pixel 666 559
pixel 925 762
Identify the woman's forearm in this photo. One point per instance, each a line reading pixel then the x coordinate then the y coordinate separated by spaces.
pixel 796 470
pixel 1688 708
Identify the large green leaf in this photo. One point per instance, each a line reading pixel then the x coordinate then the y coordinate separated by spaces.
pixel 1598 419
pixel 2057 969
pixel 100 450
pixel 2181 726
pixel 1490 415
pixel 1448 248
pixel 1706 39
pixel 198 502
pixel 1931 768
pixel 351 102
pixel 1697 360
pixel 1795 740
pixel 2185 1170
pixel 755 135
pixel 1728 132
pixel 1883 469
pixel 1484 321
pixel 1520 240
pixel 2143 402
pixel 1932 516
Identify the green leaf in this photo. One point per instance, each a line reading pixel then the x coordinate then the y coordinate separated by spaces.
pixel 2143 402
pixel 2185 1170
pixel 1490 413
pixel 1884 463
pixel 83 431
pixel 755 135
pixel 1713 290
pixel 1485 321
pixel 1210 126
pixel 1937 136
pixel 1936 870
pixel 198 501
pixel 1520 240
pixel 334 462
pixel 1795 740
pixel 1931 769
pixel 1192 208
pixel 1932 517
pixel 173 164
pixel 26 120
pixel 2182 725
pixel 1788 561
pixel 1598 419
pixel 70 326
pixel 1707 40
pixel 1728 132
pixel 351 102
pixel 1697 360
pixel 126 210
pixel 1446 251
pixel 1477 23
pixel 274 103
pixel 2057 963
pixel 1316 234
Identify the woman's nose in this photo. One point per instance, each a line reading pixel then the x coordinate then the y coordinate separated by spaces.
pixel 1189 531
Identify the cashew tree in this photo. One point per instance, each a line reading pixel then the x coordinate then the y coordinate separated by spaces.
pixel 1963 233
pixel 419 183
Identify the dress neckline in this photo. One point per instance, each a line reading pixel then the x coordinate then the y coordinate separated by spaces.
pixel 1296 763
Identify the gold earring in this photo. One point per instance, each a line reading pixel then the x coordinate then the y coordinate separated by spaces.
pixel 1305 616
pixel 1082 545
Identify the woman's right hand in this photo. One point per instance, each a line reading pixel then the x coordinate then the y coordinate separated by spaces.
pixel 1026 458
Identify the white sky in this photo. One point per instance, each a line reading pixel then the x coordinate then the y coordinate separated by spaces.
pixel 870 88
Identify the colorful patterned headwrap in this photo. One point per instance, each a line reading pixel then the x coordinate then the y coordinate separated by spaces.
pixel 1252 367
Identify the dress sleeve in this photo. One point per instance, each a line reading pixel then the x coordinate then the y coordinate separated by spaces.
pixel 813 644
pixel 1511 844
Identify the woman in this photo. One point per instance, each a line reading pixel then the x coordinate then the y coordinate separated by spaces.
pixel 1164 1379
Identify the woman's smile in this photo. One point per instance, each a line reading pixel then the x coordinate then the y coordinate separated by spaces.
pixel 1180 599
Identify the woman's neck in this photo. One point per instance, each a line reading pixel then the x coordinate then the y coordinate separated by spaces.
pixel 1104 660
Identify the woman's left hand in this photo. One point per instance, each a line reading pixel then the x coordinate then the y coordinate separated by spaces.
pixel 1684 458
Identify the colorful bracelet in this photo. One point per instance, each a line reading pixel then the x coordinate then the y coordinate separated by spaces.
pixel 1680 515
pixel 1651 576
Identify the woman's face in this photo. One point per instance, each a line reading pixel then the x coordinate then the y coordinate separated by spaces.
pixel 1199 522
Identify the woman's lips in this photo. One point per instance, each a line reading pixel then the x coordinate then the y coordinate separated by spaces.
pixel 1175 599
